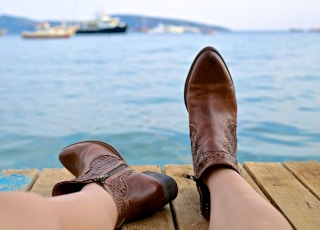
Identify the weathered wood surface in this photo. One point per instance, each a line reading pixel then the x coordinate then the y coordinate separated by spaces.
pixel 287 193
pixel 292 187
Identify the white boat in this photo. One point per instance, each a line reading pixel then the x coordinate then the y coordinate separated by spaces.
pixel 172 29
pixel 45 31
pixel 101 25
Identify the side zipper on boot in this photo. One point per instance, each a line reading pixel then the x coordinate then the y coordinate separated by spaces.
pixel 105 176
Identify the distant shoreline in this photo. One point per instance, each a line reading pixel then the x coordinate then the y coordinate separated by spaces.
pixel 16 24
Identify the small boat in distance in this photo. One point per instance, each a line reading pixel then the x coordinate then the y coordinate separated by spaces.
pixel 169 29
pixel 45 31
pixel 173 29
pixel 101 25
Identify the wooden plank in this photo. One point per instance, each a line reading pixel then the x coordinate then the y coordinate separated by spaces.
pixel 282 188
pixel 251 182
pixel 48 178
pixel 161 220
pixel 308 173
pixel 17 179
pixel 186 207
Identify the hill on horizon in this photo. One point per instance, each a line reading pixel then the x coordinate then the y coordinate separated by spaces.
pixel 16 24
pixel 139 21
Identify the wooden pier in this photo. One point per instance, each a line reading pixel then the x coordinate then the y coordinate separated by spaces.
pixel 292 187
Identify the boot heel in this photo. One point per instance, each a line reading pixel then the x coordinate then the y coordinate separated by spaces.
pixel 168 184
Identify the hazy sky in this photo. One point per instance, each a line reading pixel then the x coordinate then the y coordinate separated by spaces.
pixel 234 14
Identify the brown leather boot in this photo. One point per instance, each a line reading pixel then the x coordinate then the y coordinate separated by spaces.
pixel 210 99
pixel 136 194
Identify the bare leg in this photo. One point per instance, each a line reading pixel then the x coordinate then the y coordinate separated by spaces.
pixel 236 205
pixel 91 208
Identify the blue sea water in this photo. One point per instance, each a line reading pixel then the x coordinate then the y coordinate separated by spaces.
pixel 127 90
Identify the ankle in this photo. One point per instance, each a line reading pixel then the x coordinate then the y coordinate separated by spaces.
pixel 98 196
pixel 97 192
pixel 215 174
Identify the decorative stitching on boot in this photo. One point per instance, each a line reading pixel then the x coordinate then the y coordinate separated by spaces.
pixel 119 190
pixel 227 155
pixel 231 134
pixel 98 167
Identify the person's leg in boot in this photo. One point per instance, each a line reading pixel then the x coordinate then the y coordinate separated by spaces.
pixel 136 194
pixel 236 205
pixel 226 199
pixel 90 208
pixel 105 193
